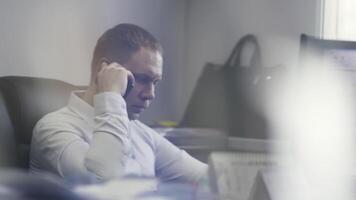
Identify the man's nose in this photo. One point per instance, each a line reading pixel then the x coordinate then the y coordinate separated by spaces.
pixel 149 92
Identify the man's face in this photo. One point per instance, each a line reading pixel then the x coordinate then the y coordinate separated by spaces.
pixel 146 66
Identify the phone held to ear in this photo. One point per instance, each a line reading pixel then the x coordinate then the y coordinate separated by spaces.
pixel 130 80
pixel 130 85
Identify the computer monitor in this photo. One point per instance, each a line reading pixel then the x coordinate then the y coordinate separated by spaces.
pixel 342 54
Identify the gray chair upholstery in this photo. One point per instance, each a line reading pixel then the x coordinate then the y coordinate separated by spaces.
pixel 23 101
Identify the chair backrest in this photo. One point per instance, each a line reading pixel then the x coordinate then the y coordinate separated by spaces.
pixel 23 101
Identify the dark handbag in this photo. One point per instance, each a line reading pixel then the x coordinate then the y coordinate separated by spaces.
pixel 227 96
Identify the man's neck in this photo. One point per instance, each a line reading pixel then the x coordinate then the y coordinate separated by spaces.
pixel 88 96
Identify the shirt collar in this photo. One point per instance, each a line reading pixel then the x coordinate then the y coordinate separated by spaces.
pixel 82 108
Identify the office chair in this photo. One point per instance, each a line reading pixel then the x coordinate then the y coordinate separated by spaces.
pixel 23 101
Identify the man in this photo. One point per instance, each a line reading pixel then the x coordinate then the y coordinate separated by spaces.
pixel 97 133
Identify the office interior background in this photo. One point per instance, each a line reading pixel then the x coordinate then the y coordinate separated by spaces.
pixel 55 39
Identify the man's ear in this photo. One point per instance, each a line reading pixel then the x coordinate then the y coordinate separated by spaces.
pixel 98 67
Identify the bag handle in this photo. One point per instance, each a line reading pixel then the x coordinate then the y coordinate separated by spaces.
pixel 234 59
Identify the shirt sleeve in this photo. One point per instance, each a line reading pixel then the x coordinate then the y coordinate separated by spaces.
pixel 174 164
pixel 68 154
pixel 110 146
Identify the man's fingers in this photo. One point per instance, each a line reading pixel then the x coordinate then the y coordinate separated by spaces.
pixel 114 77
pixel 110 67
pixel 103 65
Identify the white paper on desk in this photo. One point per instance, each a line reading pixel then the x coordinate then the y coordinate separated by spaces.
pixel 232 174
pixel 118 189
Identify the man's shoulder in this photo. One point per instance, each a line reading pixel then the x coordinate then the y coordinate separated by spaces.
pixel 140 124
pixel 62 118
pixel 143 127
pixel 54 116
pixel 62 122
pixel 146 132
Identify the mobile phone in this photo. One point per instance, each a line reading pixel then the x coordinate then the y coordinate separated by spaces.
pixel 130 85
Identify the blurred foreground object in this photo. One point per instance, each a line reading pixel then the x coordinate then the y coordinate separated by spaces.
pixel 19 185
pixel 314 111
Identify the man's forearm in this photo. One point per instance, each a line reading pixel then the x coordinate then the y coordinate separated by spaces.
pixel 110 144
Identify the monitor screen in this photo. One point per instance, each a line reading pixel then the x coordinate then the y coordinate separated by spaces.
pixel 341 54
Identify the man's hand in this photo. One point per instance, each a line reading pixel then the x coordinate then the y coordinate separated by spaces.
pixel 113 78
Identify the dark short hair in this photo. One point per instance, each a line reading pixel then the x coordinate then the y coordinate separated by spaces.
pixel 119 43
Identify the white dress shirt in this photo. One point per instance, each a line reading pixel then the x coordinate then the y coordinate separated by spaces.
pixel 81 140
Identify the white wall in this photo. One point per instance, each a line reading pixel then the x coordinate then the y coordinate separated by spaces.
pixel 55 39
pixel 213 27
